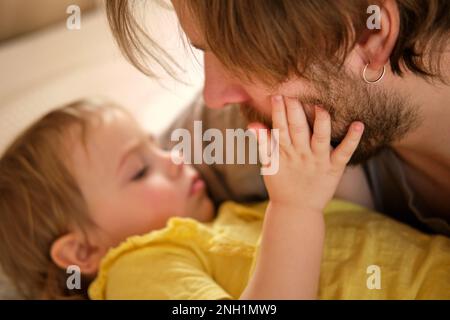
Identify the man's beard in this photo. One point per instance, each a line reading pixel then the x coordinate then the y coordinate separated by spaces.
pixel 387 116
pixel 252 115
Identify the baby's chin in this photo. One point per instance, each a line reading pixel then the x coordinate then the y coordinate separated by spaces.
pixel 204 211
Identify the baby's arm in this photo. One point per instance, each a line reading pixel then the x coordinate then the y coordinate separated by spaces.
pixel 288 265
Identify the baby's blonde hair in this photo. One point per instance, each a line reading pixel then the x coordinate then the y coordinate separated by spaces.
pixel 40 201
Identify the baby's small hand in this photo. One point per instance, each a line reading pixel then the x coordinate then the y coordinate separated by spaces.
pixel 308 170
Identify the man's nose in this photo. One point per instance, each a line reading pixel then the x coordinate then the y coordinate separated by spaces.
pixel 220 88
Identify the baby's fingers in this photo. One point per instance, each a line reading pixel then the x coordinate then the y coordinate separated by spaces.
pixel 264 142
pixel 298 125
pixel 279 120
pixel 320 141
pixel 344 151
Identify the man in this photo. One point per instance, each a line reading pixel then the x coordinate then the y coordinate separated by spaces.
pixel 392 76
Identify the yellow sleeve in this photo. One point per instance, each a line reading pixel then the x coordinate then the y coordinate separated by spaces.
pixel 162 273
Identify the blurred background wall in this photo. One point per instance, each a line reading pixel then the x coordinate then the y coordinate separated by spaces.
pixel 19 17
pixel 44 63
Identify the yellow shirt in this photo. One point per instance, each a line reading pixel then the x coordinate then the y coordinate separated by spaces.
pixel 366 256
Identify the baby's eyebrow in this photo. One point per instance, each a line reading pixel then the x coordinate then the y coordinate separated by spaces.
pixel 154 141
pixel 152 138
pixel 132 148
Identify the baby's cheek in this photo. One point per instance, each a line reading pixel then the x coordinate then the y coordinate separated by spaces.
pixel 164 200
pixel 151 195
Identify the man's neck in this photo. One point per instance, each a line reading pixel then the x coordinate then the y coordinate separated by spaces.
pixel 431 138
pixel 426 149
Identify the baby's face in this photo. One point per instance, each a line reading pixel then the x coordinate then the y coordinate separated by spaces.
pixel 131 186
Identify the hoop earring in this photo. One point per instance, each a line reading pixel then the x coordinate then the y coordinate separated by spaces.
pixel 373 81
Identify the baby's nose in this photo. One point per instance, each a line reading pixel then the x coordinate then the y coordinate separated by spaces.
pixel 175 165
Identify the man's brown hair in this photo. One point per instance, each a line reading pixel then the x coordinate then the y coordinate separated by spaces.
pixel 275 39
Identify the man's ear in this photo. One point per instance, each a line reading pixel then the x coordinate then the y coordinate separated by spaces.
pixel 377 45
pixel 72 249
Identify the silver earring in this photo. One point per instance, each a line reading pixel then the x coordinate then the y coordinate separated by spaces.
pixel 373 81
